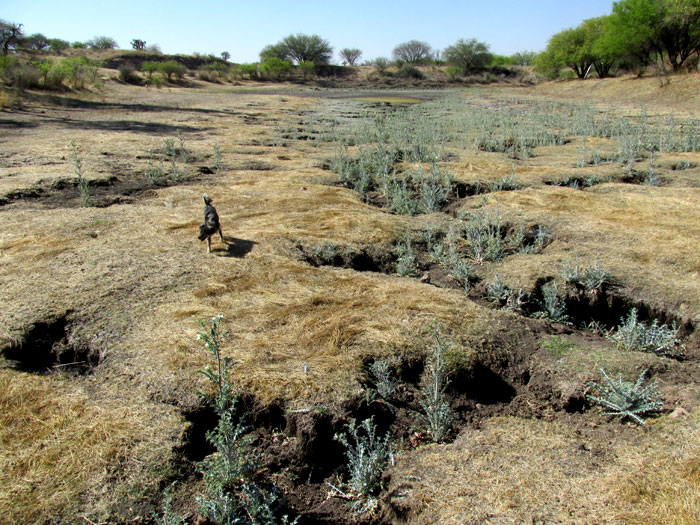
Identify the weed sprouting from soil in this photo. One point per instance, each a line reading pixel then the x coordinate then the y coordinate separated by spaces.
pixel 406 258
pixel 384 383
pixel 552 305
pixel 168 517
pixel 625 399
pixel 218 164
pixel 436 414
pixel 232 494
pixel 83 184
pixel 504 297
pixel 592 278
pixel 368 456
pixel 635 335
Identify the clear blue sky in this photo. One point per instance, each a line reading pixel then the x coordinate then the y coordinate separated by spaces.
pixel 243 28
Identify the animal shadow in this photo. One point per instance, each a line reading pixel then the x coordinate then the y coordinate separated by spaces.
pixel 237 248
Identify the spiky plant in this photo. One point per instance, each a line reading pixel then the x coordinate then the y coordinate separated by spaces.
pixel 436 413
pixel 625 399
pixel 636 335
pixel 502 296
pixel 368 456
pixel 552 306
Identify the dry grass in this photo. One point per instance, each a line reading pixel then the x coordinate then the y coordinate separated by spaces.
pixel 132 280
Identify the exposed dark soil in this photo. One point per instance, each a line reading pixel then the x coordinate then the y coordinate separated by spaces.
pixel 65 192
pixel 49 346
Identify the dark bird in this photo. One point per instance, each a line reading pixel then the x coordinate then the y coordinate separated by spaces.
pixel 211 223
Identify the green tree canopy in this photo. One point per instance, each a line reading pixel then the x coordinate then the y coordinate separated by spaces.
pixel 468 55
pixel 308 48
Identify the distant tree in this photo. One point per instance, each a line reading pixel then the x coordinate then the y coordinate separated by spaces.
pixel 502 60
pixel 102 43
pixel 308 48
pixel 468 54
pixel 37 41
pixel 172 67
pixel 78 45
pixel 278 50
pixel 10 34
pixel 57 45
pixel 350 55
pixel 603 56
pixel 524 58
pixel 571 48
pixel 153 48
pixel 138 44
pixel 225 55
pixel 413 52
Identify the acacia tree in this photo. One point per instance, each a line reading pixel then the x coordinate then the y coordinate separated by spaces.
pixel 10 34
pixel 413 52
pixel 468 55
pixel 36 41
pixel 308 48
pixel 350 55
pixel 278 50
pixel 102 42
pixel 138 44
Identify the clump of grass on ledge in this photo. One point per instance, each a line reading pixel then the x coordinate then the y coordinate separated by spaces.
pixel 636 335
pixel 627 400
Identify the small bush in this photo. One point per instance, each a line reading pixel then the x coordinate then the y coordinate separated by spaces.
pixel 635 335
pixel 127 74
pixel 409 71
pixel 627 400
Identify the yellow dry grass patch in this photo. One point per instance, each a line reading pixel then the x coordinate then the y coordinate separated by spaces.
pixel 622 227
pixel 517 470
pixel 678 93
pixel 60 446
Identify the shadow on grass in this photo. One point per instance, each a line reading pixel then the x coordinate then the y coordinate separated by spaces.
pixel 237 248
